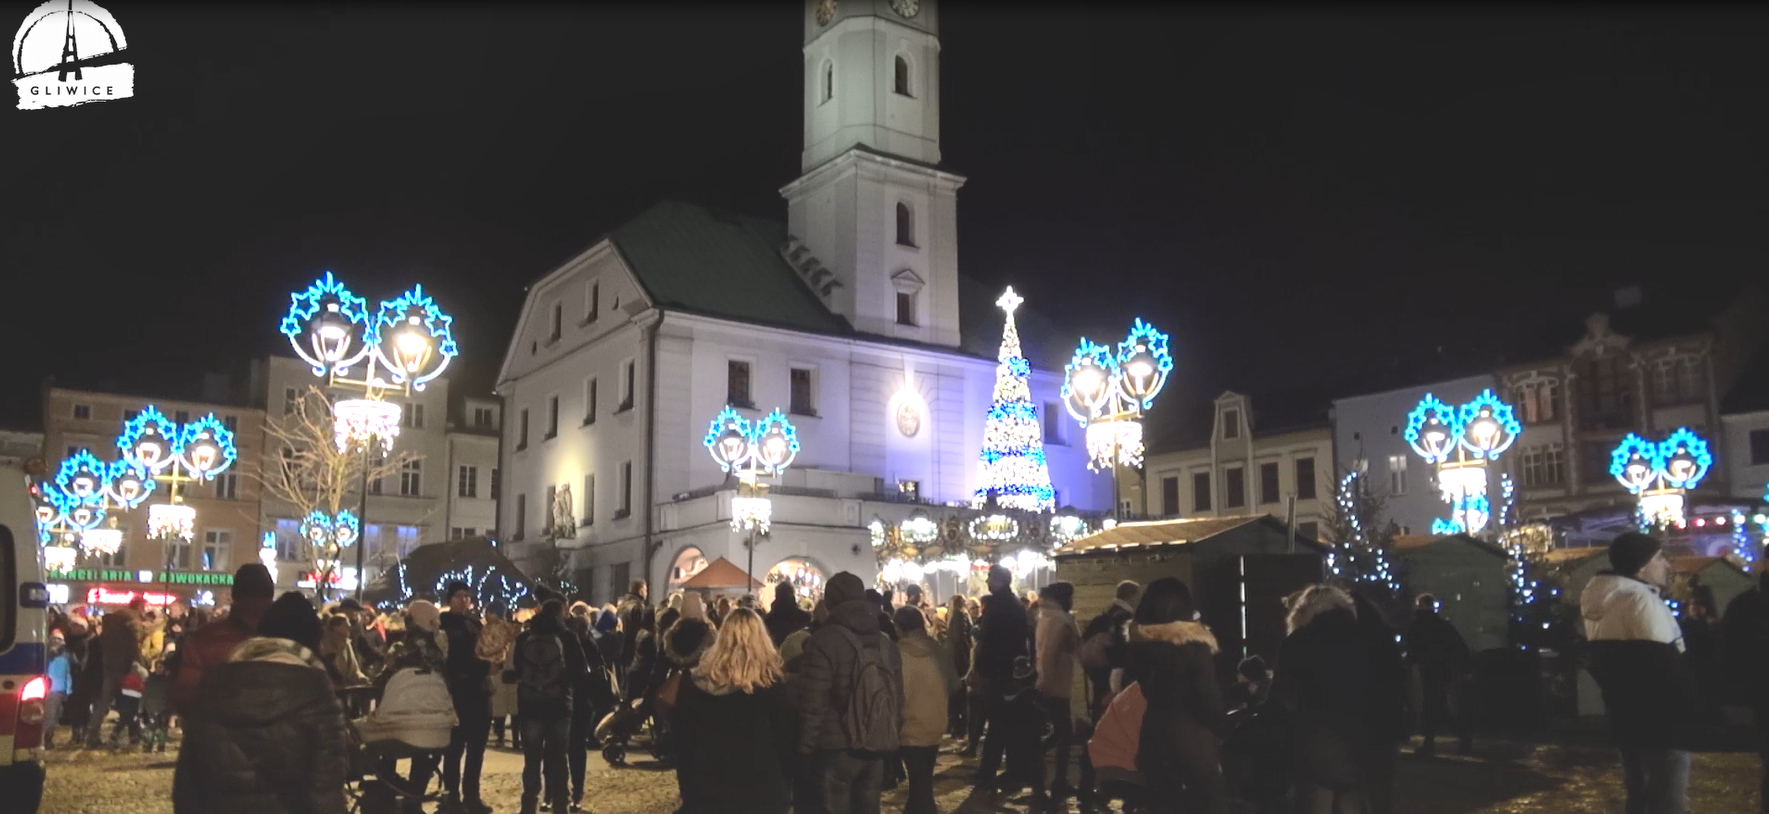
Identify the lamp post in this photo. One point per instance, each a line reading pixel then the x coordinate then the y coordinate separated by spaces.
pixel 404 345
pixel 1107 392
pixel 196 452
pixel 1659 474
pixel 750 451
pixel 1460 442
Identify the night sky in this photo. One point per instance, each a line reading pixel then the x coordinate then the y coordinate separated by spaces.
pixel 1293 195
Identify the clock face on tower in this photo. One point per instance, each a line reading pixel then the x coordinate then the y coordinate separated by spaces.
pixel 908 420
pixel 825 12
pixel 907 8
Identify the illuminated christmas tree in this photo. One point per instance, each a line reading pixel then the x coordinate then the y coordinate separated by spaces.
pixel 1013 470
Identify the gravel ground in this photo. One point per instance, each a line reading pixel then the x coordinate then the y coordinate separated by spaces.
pixel 1499 779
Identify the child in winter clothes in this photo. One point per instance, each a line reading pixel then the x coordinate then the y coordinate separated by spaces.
pixel 129 707
pixel 61 682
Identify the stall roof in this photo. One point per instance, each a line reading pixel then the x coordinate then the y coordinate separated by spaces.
pixel 1162 533
pixel 1691 565
pixel 1563 555
pixel 721 574
pixel 1413 542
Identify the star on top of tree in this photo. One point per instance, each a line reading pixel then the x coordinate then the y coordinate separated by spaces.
pixel 1009 300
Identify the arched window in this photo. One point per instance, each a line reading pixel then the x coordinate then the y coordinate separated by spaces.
pixel 828 81
pixel 905 225
pixel 902 76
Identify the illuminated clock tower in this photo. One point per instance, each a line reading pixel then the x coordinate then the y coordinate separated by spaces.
pixel 872 206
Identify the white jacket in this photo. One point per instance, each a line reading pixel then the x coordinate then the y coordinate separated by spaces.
pixel 1623 608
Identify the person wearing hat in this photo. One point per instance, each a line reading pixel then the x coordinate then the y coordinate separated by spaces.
pixel 844 657
pixel 469 683
pixel 366 640
pixel 1002 639
pixel 1649 693
pixel 253 591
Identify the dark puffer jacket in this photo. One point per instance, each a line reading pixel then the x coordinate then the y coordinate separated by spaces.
pixel 1322 675
pixel 827 674
pixel 1005 636
pixel 785 617
pixel 270 740
pixel 1175 666
pixel 468 675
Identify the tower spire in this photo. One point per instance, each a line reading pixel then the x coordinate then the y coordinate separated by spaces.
pixel 70 53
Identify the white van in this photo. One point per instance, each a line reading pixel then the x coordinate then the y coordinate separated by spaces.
pixel 24 687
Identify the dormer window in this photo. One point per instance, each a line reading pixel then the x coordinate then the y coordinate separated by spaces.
pixel 1231 423
pixel 905 225
pixel 901 76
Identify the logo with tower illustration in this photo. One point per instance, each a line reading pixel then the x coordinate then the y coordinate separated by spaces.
pixel 70 52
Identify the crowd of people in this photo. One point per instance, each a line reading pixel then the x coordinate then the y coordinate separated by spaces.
pixel 821 707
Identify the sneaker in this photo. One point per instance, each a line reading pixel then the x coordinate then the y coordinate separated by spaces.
pixel 546 807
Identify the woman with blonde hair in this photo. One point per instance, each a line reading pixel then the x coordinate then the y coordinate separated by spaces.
pixel 735 724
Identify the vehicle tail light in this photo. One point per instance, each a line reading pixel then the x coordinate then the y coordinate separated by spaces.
pixel 31 702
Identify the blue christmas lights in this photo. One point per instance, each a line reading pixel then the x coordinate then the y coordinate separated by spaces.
pixel 1431 429
pixel 1685 447
pixel 1149 346
pixel 81 479
pixel 129 483
pixel 328 296
pixel 201 434
pixel 1498 438
pixel 149 440
pixel 437 325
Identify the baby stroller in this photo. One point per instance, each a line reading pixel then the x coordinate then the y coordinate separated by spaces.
pixel 413 722
pixel 628 720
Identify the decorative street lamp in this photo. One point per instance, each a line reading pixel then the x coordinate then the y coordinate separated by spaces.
pixel 196 452
pixel 76 503
pixel 750 451
pixel 403 346
pixel 1460 442
pixel 331 534
pixel 1107 392
pixel 1659 474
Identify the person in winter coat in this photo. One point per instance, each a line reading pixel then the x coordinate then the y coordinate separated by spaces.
pixel 1440 654
pixel 848 766
pixel 736 725
pixel 689 637
pixel 632 607
pixel 1173 658
pixel 120 641
pixel 1103 643
pixel 591 698
pixel 1320 685
pixel 211 643
pixel 81 645
pixel 1058 642
pixel 785 617
pixel 339 653
pixel 61 682
pixel 469 682
pixel 1000 639
pixel 549 669
pixel 929 682
pixel 1649 694
pixel 1385 693
pixel 1744 632
pixel 957 636
pixel 367 639
pixel 270 739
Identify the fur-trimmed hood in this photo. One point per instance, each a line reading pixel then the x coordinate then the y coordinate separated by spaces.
pixel 1176 633
pixel 686 640
pixel 1315 602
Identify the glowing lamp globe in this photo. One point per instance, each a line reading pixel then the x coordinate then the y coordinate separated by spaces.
pixel 47 514
pixel 413 338
pixel 775 443
pixel 1144 363
pixel 1087 382
pixel 362 421
pixel 101 541
pixel 84 517
pixel 411 346
pixel 128 485
pixel 346 529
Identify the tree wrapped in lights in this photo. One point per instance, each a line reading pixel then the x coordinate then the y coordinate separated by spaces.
pixel 1013 470
pixel 314 477
pixel 1360 541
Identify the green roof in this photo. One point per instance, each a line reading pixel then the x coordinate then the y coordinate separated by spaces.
pixel 696 259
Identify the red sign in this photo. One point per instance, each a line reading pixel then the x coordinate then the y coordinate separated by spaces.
pixel 331 578
pixel 105 596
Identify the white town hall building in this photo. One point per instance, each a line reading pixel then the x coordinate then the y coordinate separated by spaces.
pixel 851 317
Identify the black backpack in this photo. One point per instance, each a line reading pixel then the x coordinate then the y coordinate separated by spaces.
pixel 544 675
pixel 872 717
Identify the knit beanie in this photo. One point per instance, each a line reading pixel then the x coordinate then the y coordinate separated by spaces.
pixel 843 587
pixel 1631 551
pixel 424 615
pixel 252 581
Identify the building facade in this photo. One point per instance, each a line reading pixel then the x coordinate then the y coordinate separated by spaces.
pixel 447 486
pixel 227 508
pixel 846 318
pixel 1245 467
pixel 1368 436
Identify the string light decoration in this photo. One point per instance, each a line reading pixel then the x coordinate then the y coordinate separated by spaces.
pixel 490 586
pixel 1461 442
pixel 751 451
pixel 413 338
pixel 1366 561
pixel 362 421
pixel 1013 471
pixel 1108 393
pixel 1659 474
pixel 327 326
